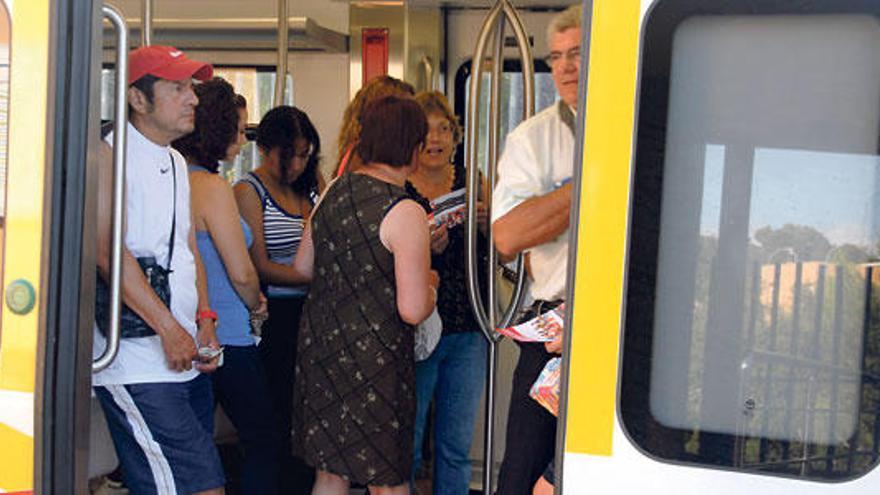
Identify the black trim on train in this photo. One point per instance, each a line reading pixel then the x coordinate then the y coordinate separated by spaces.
pixel 835 463
pixel 63 388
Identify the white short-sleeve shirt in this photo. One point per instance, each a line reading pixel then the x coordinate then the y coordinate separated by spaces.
pixel 148 209
pixel 537 157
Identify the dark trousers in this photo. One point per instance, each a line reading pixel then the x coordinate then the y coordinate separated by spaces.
pixel 531 430
pixel 241 389
pixel 278 352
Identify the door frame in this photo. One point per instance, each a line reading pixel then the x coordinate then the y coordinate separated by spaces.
pixel 65 353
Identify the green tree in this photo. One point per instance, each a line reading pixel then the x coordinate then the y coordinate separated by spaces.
pixel 806 242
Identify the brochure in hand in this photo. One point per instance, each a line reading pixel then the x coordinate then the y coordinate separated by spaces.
pixel 542 328
pixel 448 209
pixel 546 388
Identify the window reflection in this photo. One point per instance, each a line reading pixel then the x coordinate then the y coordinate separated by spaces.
pixel 752 317
pixel 811 235
pixel 511 105
pixel 257 86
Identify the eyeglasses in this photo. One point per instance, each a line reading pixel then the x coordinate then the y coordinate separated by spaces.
pixel 572 55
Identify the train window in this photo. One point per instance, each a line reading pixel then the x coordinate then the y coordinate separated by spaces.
pixel 256 84
pixel 511 98
pixel 752 329
pixel 258 87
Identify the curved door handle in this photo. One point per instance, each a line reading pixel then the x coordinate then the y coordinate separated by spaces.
pixel 119 134
pixel 494 22
pixel 488 321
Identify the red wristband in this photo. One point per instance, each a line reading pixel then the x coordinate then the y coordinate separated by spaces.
pixel 206 313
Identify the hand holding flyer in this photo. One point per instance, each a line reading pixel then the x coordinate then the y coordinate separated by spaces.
pixel 448 209
pixel 546 388
pixel 542 328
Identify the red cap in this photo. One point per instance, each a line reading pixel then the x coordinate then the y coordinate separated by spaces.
pixel 165 62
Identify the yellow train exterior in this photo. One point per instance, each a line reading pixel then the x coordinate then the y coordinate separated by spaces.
pixel 23 234
pixel 629 424
pixel 747 97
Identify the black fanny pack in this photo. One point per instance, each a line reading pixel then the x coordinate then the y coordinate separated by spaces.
pixel 131 324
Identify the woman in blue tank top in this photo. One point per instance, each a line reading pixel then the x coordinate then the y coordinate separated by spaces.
pixel 240 385
pixel 275 200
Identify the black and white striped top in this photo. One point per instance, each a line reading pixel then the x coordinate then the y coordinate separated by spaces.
pixel 282 233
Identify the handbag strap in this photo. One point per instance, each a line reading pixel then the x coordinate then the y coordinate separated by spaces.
pixel 173 212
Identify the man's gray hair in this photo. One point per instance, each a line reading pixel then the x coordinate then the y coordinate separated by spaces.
pixel 563 21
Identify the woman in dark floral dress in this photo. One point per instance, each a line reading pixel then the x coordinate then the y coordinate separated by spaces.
pixel 367 249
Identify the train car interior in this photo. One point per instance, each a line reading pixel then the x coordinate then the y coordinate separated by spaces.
pixel 428 43
pixel 716 273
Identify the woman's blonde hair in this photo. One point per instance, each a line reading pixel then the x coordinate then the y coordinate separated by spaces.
pixel 435 102
pixel 373 91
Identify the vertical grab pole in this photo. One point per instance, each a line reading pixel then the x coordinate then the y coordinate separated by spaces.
pixel 489 321
pixel 473 188
pixel 283 46
pixel 146 22
pixel 492 159
pixel 473 182
pixel 528 75
pixel 492 311
pixel 428 68
pixel 119 135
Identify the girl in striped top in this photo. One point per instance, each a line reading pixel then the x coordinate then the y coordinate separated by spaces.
pixel 274 200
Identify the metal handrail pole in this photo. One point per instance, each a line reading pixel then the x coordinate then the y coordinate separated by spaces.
pixel 528 75
pixel 492 311
pixel 428 66
pixel 119 140
pixel 146 22
pixel 283 47
pixel 473 183
pixel 492 164
pixel 473 188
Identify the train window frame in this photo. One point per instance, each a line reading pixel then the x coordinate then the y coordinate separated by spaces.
pixel 460 89
pixel 248 158
pixel 652 438
pixel 253 113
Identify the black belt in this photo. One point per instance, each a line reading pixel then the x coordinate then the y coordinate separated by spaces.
pixel 543 304
pixel 538 306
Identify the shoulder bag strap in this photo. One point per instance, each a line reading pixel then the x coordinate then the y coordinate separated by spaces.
pixel 173 212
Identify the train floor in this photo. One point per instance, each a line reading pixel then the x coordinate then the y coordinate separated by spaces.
pixel 231 458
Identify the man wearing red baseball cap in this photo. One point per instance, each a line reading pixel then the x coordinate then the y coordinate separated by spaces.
pixel 165 62
pixel 155 395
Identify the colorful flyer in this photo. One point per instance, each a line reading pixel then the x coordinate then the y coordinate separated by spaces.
pixel 542 328
pixel 546 388
pixel 448 209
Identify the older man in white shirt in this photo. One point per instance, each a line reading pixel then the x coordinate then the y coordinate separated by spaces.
pixel 530 214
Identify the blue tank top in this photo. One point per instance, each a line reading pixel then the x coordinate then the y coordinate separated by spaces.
pixel 233 317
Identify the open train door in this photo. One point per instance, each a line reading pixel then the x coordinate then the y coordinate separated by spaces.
pixel 725 326
pixel 48 141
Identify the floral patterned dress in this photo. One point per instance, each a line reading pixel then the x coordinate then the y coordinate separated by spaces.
pixel 355 369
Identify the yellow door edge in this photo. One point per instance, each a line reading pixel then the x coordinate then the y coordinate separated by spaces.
pixel 24 232
pixel 602 227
